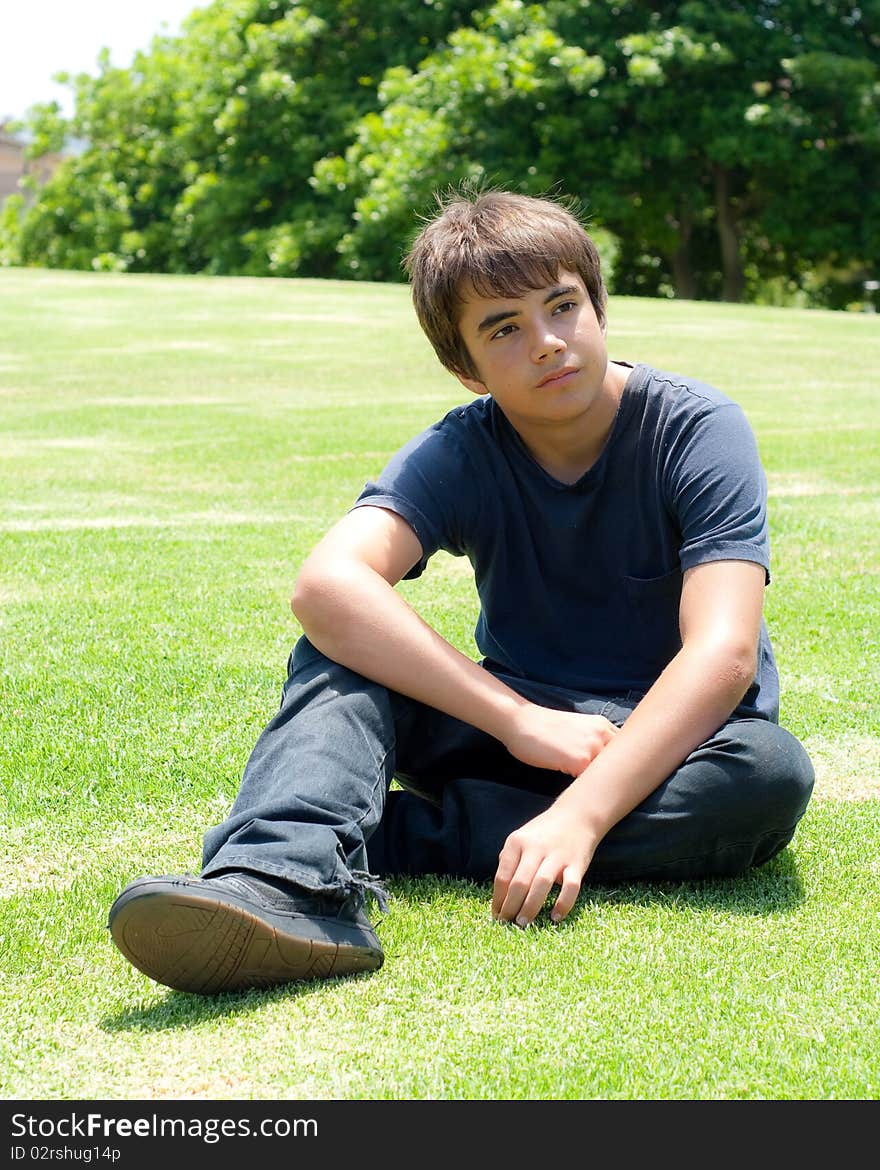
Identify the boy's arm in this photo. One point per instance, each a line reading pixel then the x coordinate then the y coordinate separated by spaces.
pixel 720 619
pixel 345 600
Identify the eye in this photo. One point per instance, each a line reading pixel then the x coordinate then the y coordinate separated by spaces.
pixel 504 331
pixel 565 306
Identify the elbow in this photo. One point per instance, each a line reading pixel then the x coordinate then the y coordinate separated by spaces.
pixel 729 662
pixel 322 599
pixel 308 598
pixel 738 667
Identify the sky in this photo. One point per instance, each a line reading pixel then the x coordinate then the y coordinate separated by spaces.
pixel 40 39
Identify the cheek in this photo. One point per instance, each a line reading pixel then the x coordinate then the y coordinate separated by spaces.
pixel 507 374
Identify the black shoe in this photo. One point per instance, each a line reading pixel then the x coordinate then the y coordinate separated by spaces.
pixel 237 931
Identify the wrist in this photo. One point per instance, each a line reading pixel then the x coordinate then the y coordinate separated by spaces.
pixel 505 711
pixel 579 804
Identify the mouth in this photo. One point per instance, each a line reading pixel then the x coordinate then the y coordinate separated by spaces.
pixel 557 377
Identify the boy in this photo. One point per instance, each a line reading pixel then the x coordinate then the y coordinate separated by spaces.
pixel 623 722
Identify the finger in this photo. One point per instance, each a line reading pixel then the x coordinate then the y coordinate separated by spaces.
pixel 606 733
pixel 536 895
pixel 518 888
pixel 508 860
pixel 568 894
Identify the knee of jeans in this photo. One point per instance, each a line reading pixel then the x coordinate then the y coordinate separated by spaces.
pixel 305 656
pixel 782 762
pixel 310 666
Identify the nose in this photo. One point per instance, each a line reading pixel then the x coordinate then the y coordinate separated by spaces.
pixel 545 343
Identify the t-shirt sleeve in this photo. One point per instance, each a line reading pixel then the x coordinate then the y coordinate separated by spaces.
pixel 719 491
pixel 425 484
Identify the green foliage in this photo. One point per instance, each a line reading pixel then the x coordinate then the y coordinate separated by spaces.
pixel 10 229
pixel 650 117
pixel 727 149
pixel 199 156
pixel 467 113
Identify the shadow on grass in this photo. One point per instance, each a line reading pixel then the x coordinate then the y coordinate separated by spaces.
pixel 181 1010
pixel 772 889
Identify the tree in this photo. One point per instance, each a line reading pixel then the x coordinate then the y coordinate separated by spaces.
pixel 467 113
pixel 671 122
pixel 199 155
pixel 721 147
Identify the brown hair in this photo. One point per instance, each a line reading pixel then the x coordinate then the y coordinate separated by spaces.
pixel 501 244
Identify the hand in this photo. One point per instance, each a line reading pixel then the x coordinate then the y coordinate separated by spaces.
pixel 554 848
pixel 562 741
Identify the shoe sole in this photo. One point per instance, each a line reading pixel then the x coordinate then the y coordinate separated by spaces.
pixel 193 941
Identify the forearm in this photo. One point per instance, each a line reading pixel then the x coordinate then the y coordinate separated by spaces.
pixel 690 700
pixel 719 619
pixel 359 620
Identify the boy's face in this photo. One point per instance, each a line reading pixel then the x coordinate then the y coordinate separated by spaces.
pixel 542 356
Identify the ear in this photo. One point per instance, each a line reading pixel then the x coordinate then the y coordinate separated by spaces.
pixel 472 384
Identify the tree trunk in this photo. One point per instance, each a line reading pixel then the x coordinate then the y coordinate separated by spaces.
pixel 733 280
pixel 680 261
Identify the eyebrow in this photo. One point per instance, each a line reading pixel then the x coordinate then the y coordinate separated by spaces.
pixel 494 319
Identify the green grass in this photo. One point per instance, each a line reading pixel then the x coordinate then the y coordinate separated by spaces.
pixel 170 449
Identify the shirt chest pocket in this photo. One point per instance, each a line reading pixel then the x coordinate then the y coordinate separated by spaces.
pixel 652 605
pixel 646 590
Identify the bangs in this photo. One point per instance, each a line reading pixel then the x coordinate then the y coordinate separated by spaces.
pixel 505 274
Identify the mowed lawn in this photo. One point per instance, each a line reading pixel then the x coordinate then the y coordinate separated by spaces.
pixel 170 449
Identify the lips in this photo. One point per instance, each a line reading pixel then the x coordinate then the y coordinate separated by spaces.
pixel 557 376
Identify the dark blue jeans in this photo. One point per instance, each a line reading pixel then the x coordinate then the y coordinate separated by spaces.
pixel 315 809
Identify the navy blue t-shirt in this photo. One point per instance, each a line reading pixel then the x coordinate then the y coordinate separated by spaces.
pixel 579 584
